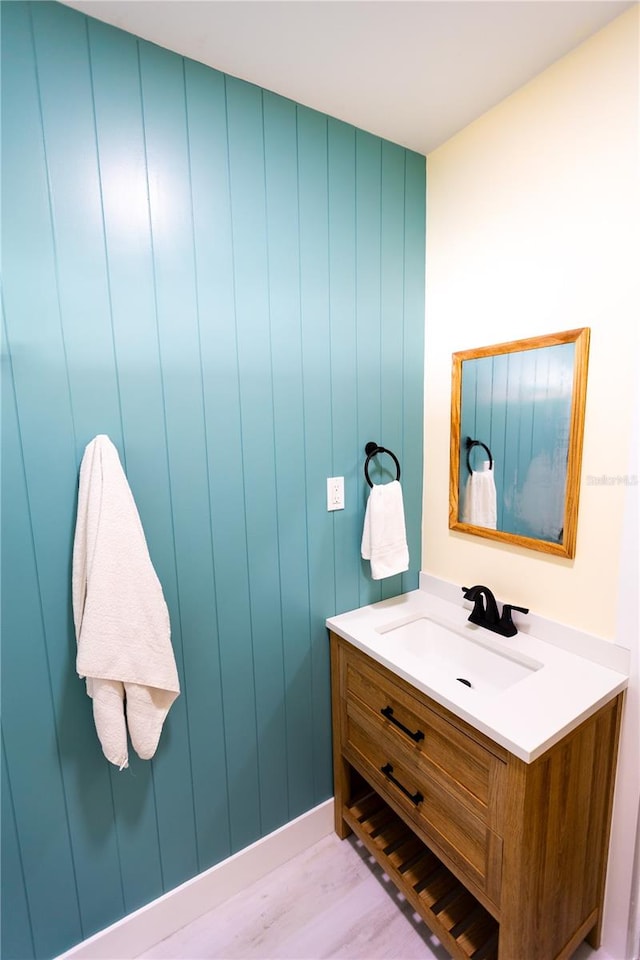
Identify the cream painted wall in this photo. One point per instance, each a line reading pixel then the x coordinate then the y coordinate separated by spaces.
pixel 532 227
pixel 533 217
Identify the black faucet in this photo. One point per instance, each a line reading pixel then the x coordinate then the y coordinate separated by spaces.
pixel 485 611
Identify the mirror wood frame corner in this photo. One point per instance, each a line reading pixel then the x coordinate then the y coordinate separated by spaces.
pixel 566 545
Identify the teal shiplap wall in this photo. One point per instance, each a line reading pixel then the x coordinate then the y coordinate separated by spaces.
pixel 232 287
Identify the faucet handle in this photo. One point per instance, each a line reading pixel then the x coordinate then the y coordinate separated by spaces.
pixel 507 626
pixel 508 607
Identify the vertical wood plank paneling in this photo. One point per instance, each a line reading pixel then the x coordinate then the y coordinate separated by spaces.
pixel 520 453
pixel 248 203
pixel 123 184
pixel 64 77
pixel 368 323
pixel 67 117
pixel 391 315
pixel 413 358
pixel 467 428
pixel 506 471
pixel 316 360
pixel 34 337
pixel 347 524
pixel 511 438
pixel 163 104
pixel 499 376
pixel 246 164
pixel 549 444
pixel 29 734
pixel 206 118
pixel 483 420
pixel 281 185
pixel 221 397
pixel 234 599
pixel 17 935
pixel 37 465
pixel 232 287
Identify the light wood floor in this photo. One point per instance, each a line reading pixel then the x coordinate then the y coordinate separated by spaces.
pixel 332 900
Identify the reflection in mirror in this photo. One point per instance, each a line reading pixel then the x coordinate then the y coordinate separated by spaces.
pixel 517 419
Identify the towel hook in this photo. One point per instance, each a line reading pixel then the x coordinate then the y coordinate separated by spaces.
pixel 371 450
pixel 477 443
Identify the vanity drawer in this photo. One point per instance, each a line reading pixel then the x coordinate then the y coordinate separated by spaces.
pixel 446 823
pixel 454 761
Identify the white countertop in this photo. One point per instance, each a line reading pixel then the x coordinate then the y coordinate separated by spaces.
pixel 528 716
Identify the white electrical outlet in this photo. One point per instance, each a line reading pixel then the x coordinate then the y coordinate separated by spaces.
pixel 335 493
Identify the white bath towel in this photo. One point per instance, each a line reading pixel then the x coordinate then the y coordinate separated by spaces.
pixel 384 539
pixel 479 505
pixel 121 618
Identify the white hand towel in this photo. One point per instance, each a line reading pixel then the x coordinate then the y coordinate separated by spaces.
pixel 121 618
pixel 384 539
pixel 479 505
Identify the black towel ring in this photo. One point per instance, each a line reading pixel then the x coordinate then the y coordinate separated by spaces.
pixel 470 444
pixel 371 450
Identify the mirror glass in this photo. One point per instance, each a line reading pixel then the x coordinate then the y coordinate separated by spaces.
pixel 517 418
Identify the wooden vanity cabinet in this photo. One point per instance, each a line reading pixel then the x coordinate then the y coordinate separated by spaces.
pixel 503 860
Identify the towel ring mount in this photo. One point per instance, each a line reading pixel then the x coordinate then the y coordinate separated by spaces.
pixel 470 444
pixel 371 450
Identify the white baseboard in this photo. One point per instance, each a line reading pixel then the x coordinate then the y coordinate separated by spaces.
pixel 139 931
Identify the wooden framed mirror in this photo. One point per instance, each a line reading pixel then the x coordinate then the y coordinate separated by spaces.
pixel 517 423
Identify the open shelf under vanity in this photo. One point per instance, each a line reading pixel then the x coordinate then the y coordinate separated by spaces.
pixel 446 906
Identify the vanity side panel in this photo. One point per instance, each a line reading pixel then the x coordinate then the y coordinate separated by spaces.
pixel 341 769
pixel 555 842
pixel 601 811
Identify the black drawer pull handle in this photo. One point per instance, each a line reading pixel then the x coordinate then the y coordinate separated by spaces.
pixel 414 797
pixel 388 713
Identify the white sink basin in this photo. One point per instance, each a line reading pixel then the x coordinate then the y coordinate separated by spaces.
pixel 476 661
pixel 527 691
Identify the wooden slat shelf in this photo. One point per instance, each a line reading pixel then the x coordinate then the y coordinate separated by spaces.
pixel 461 924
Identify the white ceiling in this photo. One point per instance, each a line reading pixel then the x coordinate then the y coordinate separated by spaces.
pixel 412 71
